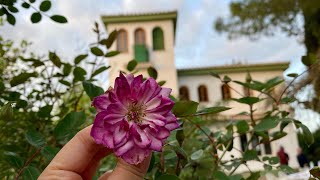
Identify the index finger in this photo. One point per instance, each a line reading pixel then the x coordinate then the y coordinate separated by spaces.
pixel 76 155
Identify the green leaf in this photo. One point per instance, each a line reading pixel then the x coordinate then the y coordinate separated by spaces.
pixel 255 85
pixel 100 70
pixel 32 1
pixel 273 160
pixel 45 111
pixel 168 177
pixel 59 19
pixel 287 100
pixel 292 75
pixel 278 135
pixel 6 112
pixel 180 136
pixel 79 58
pixel 13 159
pixel 112 53
pixel 216 75
pixel 266 124
pixel 184 108
pixel 152 162
pixel 25 5
pixel 197 155
pixel 236 177
pixel 79 74
pixel 65 82
pixel 242 126
pixel 31 173
pixel 36 17
pixel 152 72
pixel 45 6
pixel 37 63
pixel 35 138
pixel 250 155
pixel 49 152
pixel 161 83
pixel 179 152
pixel 254 176
pixel 97 51
pixel 286 169
pixel 226 79
pixel 213 110
pixel 273 82
pixel 69 125
pixel 309 59
pixel 11 19
pixel 91 89
pixel 267 167
pixel 307 135
pixel 67 69
pixel 132 65
pixel 13 9
pixel 247 100
pixel 112 36
pixel 21 78
pixel 55 59
pixel 219 175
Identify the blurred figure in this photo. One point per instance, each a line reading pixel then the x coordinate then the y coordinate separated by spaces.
pixel 302 159
pixel 283 156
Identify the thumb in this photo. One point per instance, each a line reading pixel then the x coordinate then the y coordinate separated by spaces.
pixel 124 171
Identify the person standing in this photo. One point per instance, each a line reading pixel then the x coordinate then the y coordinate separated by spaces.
pixel 302 159
pixel 283 156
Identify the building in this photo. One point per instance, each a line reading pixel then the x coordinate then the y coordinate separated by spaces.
pixel 150 38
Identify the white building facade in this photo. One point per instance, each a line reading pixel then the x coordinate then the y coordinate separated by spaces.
pixel 150 38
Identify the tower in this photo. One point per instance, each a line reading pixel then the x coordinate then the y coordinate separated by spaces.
pixel 147 38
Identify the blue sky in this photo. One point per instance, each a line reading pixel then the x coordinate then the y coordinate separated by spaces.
pixel 197 43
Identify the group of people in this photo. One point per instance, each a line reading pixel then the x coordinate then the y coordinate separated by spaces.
pixel 284 158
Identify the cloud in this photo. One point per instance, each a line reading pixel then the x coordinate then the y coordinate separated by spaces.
pixel 197 44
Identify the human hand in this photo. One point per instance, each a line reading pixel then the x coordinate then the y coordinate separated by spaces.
pixel 80 158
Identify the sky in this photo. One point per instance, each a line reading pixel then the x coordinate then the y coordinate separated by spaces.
pixel 197 43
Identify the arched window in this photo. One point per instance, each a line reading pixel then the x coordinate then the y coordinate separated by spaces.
pixel 139 36
pixel 184 93
pixel 226 94
pixel 122 41
pixel 157 38
pixel 203 93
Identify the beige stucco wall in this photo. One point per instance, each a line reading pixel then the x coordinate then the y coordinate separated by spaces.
pixel 162 60
pixel 214 89
pixel 289 142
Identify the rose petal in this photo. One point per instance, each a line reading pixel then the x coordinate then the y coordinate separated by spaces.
pixel 120 134
pixel 165 92
pixel 139 136
pixel 101 102
pixel 125 148
pixel 136 155
pixel 156 119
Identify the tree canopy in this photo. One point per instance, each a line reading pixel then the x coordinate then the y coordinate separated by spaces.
pixel 254 18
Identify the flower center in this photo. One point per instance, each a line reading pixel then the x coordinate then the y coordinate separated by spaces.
pixel 135 112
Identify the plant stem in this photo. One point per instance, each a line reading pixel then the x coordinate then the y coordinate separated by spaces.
pixel 209 137
pixel 27 163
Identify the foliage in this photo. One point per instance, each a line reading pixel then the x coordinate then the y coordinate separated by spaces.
pixel 10 7
pixel 45 101
pixel 312 152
